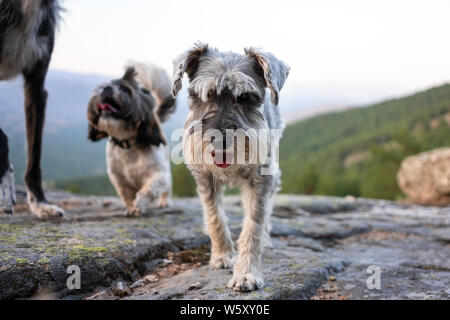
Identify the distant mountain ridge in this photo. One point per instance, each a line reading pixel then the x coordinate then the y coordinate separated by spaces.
pixel 65 144
pixel 358 151
pixel 66 153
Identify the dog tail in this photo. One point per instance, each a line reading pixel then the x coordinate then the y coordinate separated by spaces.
pixel 158 82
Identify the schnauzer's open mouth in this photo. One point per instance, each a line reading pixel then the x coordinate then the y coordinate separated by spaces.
pixel 220 159
pixel 108 106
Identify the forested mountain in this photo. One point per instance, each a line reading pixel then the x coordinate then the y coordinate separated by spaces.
pixel 358 151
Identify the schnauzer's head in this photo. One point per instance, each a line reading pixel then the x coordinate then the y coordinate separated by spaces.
pixel 123 109
pixel 227 100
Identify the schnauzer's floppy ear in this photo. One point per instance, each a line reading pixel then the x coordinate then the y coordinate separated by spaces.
pixel 275 72
pixel 150 133
pixel 95 135
pixel 188 62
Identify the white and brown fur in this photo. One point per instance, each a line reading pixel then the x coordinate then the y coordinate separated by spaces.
pixel 136 153
pixel 27 35
pixel 228 91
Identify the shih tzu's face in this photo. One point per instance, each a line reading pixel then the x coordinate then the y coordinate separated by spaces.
pixel 124 110
pixel 227 127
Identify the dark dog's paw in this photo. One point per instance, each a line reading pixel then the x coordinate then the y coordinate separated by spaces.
pixel 45 210
pixel 7 192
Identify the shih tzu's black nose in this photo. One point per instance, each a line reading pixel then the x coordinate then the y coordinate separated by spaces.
pixel 108 92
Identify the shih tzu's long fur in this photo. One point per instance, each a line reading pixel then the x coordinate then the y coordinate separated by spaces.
pixel 27 34
pixel 228 93
pixel 129 111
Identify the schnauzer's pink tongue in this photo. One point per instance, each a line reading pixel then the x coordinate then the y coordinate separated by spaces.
pixel 107 107
pixel 221 160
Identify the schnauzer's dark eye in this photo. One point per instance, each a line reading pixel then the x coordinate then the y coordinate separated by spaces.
pixel 145 91
pixel 248 99
pixel 192 94
pixel 126 90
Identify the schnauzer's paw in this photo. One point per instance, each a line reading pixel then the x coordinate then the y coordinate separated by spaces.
pixel 45 210
pixel 245 283
pixel 221 261
pixel 7 192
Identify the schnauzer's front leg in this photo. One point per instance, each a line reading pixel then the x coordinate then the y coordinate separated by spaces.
pixel 210 193
pixel 247 275
pixel 157 187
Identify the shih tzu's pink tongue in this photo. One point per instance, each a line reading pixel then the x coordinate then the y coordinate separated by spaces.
pixel 221 163
pixel 107 107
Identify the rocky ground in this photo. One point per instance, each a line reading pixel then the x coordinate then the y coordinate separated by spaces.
pixel 322 249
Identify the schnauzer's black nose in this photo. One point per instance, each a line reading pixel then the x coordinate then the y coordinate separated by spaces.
pixel 108 92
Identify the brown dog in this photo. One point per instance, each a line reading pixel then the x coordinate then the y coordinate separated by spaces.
pixel 129 111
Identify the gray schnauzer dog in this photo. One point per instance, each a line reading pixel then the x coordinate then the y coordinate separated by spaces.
pixel 227 95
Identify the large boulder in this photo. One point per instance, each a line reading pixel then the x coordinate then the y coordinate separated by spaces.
pixel 425 178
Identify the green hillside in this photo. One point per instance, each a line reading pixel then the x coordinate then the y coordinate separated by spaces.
pixel 358 152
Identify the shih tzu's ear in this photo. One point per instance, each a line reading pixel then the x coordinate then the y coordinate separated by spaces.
pixel 187 63
pixel 130 74
pixel 93 116
pixel 274 71
pixel 95 135
pixel 150 133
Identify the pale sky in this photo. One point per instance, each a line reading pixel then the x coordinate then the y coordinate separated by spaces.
pixel 394 46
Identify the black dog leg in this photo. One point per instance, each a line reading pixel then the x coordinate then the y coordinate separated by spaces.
pixel 35 103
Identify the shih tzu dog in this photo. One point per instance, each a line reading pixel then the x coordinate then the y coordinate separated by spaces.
pixel 231 137
pixel 129 111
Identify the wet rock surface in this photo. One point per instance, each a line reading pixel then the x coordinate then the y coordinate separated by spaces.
pixel 322 249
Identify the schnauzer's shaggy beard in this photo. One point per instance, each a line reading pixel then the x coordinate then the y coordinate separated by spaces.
pixel 129 111
pixel 227 94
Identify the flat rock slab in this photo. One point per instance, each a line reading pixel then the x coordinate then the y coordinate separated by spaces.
pixel 164 253
pixel 410 266
pixel 290 273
